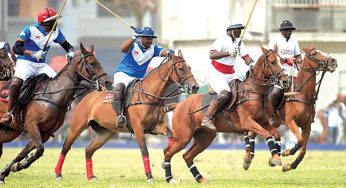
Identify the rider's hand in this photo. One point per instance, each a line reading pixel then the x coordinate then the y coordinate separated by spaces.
pixel 39 55
pixel 170 51
pixel 70 55
pixel 136 33
pixel 233 52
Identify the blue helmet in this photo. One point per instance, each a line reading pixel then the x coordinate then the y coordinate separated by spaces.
pixel 148 32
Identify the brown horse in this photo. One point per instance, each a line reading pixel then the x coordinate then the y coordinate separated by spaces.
pixel 245 116
pixel 45 113
pixel 144 112
pixel 7 63
pixel 298 110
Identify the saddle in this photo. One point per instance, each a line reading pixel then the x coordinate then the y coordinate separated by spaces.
pixel 28 90
pixel 229 106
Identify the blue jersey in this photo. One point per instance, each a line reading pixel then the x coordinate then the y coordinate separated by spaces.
pixel 35 38
pixel 136 61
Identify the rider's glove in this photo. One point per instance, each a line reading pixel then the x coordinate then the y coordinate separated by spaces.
pixel 39 55
pixel 137 32
pixel 170 51
pixel 233 52
pixel 70 55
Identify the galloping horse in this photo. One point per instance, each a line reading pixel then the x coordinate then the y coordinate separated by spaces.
pixel 7 63
pixel 298 110
pixel 45 113
pixel 144 112
pixel 249 111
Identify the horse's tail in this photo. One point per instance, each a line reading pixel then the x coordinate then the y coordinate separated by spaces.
pixel 169 107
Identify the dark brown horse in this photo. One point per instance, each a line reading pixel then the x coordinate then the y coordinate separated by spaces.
pixel 144 112
pixel 7 63
pixel 248 113
pixel 45 113
pixel 298 110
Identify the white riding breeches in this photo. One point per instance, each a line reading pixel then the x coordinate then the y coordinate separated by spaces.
pixel 24 69
pixel 219 81
pixel 121 77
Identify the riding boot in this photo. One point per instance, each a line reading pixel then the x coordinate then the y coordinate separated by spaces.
pixel 209 118
pixel 13 95
pixel 119 97
pixel 276 96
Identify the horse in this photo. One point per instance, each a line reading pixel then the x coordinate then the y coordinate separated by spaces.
pixel 7 63
pixel 144 112
pixel 246 115
pixel 298 110
pixel 45 112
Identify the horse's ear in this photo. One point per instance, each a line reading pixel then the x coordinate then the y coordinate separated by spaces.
pixel 92 49
pixel 82 49
pixel 180 54
pixel 264 50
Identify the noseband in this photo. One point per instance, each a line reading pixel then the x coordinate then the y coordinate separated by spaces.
pixel 322 64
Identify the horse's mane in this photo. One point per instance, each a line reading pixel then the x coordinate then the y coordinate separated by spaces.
pixel 164 61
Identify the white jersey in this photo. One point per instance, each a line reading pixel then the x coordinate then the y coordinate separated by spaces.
pixel 285 49
pixel 223 69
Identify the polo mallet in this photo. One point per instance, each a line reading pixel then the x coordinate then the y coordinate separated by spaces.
pixel 56 21
pixel 247 23
pixel 132 27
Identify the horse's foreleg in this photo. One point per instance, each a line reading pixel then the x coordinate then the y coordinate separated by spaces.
pixel 6 171
pixel 201 141
pixel 251 125
pixel 139 132
pixel 292 125
pixel 306 134
pixel 1 151
pixel 75 131
pixel 102 136
pixel 249 149
pixel 178 142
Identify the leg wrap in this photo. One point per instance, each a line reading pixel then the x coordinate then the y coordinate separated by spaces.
pixel 278 145
pixel 252 147
pixel 247 141
pixel 194 171
pixel 270 143
pixel 168 170
pixel 146 162
pixel 296 162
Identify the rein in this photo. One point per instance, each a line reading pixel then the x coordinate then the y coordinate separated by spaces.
pixel 93 82
pixel 6 68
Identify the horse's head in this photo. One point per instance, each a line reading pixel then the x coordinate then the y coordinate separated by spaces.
pixel 7 62
pixel 319 60
pixel 182 73
pixel 90 69
pixel 271 68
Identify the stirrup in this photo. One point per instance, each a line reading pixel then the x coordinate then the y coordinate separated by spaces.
pixel 121 121
pixel 206 124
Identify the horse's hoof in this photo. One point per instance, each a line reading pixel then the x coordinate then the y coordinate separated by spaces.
pixel 14 167
pixel 275 162
pixel 203 180
pixel 58 177
pixel 150 180
pixel 286 168
pixel 173 181
pixel 271 164
pixel 92 178
pixel 246 163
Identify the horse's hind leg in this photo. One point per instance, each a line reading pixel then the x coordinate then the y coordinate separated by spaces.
pixel 202 140
pixel 6 171
pixel 305 133
pixel 102 136
pixel 1 150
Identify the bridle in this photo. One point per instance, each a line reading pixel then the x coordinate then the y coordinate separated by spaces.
pixel 6 67
pixel 322 64
pixel 275 76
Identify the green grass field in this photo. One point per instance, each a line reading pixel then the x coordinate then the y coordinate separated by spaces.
pixel 223 168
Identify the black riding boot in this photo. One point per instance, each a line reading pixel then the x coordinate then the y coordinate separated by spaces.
pixel 119 97
pixel 276 96
pixel 13 95
pixel 215 105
